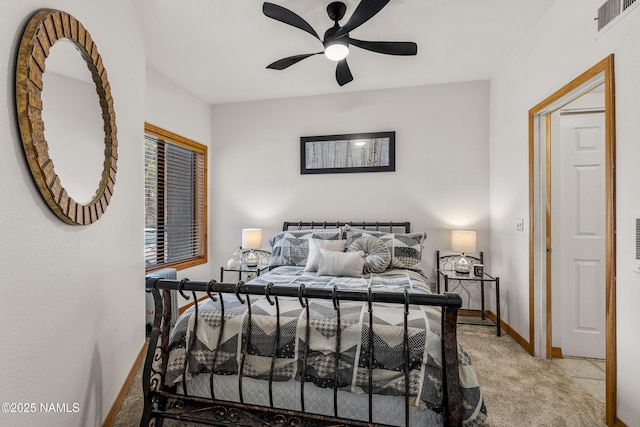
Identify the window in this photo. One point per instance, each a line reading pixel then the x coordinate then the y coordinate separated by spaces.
pixel 175 188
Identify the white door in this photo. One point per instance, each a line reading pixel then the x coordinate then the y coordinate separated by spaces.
pixel 582 243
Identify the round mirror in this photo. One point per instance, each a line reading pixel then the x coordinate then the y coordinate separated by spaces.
pixel 73 123
pixel 80 132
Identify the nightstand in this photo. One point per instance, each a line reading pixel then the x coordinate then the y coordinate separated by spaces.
pixel 447 274
pixel 245 272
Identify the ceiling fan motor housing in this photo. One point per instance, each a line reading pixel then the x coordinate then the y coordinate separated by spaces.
pixel 329 36
pixel 336 11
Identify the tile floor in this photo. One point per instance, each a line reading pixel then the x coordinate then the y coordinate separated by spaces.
pixel 590 373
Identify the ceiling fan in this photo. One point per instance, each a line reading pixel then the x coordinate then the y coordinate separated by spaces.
pixel 336 39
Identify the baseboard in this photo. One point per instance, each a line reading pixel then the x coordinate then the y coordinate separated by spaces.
pixel 556 353
pixel 115 408
pixel 506 328
pixel 469 313
pixel 619 423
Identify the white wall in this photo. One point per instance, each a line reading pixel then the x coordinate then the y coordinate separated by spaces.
pixel 441 179
pixel 563 45
pixel 71 297
pixel 170 107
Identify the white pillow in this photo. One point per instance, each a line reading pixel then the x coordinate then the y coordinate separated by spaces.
pixel 341 263
pixel 314 251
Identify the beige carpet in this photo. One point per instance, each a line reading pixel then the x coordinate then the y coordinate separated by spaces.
pixel 519 390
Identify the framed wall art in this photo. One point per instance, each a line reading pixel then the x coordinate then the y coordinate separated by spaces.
pixel 358 152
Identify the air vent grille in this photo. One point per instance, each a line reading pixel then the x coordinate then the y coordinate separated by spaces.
pixel 611 10
pixel 637 238
pixel 608 12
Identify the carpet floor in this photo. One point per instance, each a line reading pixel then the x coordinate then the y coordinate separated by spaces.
pixel 521 390
pixel 518 389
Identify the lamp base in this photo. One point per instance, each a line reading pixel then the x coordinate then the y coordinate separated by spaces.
pixel 252 259
pixel 462 265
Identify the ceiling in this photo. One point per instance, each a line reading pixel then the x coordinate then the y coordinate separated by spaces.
pixel 218 49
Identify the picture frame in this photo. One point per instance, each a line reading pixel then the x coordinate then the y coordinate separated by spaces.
pixel 348 153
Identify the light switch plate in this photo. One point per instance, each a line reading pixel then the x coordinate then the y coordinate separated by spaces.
pixel 519 224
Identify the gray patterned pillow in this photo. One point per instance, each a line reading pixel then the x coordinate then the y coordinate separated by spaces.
pixel 376 255
pixel 292 247
pixel 405 248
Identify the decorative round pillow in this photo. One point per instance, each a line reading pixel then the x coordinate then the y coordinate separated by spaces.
pixel 376 255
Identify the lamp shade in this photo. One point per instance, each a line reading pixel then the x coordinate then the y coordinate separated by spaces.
pixel 252 238
pixel 463 241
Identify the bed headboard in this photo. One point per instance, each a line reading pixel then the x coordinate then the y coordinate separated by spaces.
pixel 390 226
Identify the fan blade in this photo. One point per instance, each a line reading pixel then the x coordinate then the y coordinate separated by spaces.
pixel 366 10
pixel 289 61
pixel 388 48
pixel 343 73
pixel 286 16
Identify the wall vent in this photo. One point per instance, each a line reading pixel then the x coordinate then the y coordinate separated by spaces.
pixel 610 10
pixel 636 221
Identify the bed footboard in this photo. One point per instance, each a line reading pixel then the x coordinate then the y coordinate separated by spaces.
pixel 162 402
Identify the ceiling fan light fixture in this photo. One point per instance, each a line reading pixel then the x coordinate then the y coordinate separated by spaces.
pixel 336 50
pixel 336 40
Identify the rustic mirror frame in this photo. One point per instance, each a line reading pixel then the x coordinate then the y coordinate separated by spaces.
pixel 43 30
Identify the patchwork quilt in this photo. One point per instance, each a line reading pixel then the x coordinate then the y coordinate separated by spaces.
pixel 308 353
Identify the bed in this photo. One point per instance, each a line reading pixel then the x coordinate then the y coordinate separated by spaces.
pixel 342 330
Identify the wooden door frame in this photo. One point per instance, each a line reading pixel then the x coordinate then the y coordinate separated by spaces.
pixel 539 256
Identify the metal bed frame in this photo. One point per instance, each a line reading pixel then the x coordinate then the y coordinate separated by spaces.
pixel 365 225
pixel 163 402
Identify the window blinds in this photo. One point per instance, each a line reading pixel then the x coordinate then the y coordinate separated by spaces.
pixel 174 202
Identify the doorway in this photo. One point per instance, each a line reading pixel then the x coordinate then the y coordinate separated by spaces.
pixel 564 262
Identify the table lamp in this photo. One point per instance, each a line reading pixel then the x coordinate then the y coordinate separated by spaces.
pixel 252 239
pixel 463 241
